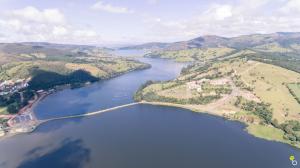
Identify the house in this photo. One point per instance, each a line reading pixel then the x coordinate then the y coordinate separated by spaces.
pixel 10 86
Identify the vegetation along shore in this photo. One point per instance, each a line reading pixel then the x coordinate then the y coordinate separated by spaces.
pixel 30 71
pixel 255 82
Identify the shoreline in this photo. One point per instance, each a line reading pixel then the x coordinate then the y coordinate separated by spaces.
pixel 215 113
pixel 32 126
pixel 34 122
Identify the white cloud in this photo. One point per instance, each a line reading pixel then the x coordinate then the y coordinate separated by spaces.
pixel 246 17
pixel 110 8
pixel 33 14
pixel 32 24
pixel 59 31
pixel 291 6
pixel 222 12
pixel 218 12
pixel 226 19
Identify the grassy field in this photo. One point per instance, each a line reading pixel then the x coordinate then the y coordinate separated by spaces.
pixel 272 47
pixel 100 67
pixel 87 67
pixel 180 92
pixel 295 90
pixel 266 132
pixel 269 83
pixel 264 86
pixel 192 54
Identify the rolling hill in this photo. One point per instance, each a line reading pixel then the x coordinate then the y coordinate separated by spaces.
pixel 240 42
pixel 26 68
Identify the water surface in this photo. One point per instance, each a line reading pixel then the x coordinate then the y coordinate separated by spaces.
pixel 141 136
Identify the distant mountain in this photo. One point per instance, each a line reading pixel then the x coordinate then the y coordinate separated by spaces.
pixel 152 46
pixel 24 51
pixel 38 47
pixel 240 42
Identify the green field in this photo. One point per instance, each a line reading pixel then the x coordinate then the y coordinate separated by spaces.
pixel 190 55
pixel 266 132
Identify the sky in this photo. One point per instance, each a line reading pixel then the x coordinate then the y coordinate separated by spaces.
pixel 112 22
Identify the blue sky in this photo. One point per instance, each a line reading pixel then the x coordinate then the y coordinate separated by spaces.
pixel 106 22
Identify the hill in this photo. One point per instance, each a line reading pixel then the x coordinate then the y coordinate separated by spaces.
pixel 264 96
pixel 26 68
pixel 148 46
pixel 240 42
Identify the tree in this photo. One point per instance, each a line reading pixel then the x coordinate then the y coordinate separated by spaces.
pixel 13 108
pixel 275 123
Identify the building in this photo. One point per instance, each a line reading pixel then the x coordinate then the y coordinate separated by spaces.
pixel 10 86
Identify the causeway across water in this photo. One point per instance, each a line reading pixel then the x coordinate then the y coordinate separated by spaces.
pixel 88 114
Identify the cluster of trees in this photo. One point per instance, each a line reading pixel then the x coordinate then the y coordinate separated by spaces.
pixel 290 129
pixel 239 83
pixel 262 110
pixel 3 122
pixel 214 76
pixel 14 102
pixel 43 80
pixel 153 97
pixel 177 83
pixel 202 99
pixel 185 70
pixel 196 67
pixel 223 90
pixel 138 96
pixel 46 79
pixel 289 61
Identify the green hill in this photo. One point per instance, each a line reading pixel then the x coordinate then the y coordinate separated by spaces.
pixel 45 66
pixel 264 96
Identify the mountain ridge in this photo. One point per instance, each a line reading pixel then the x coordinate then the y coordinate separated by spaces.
pixel 238 42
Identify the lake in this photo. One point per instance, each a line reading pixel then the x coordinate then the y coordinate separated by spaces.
pixel 141 136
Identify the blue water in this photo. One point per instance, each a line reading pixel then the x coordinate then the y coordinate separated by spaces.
pixel 129 53
pixel 141 136
pixel 107 93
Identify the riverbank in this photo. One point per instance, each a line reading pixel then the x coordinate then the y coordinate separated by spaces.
pixel 30 126
pixel 266 132
pixel 25 120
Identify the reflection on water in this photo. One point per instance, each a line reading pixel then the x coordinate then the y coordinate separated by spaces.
pixel 107 93
pixel 69 154
pixel 144 136
pixel 141 136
